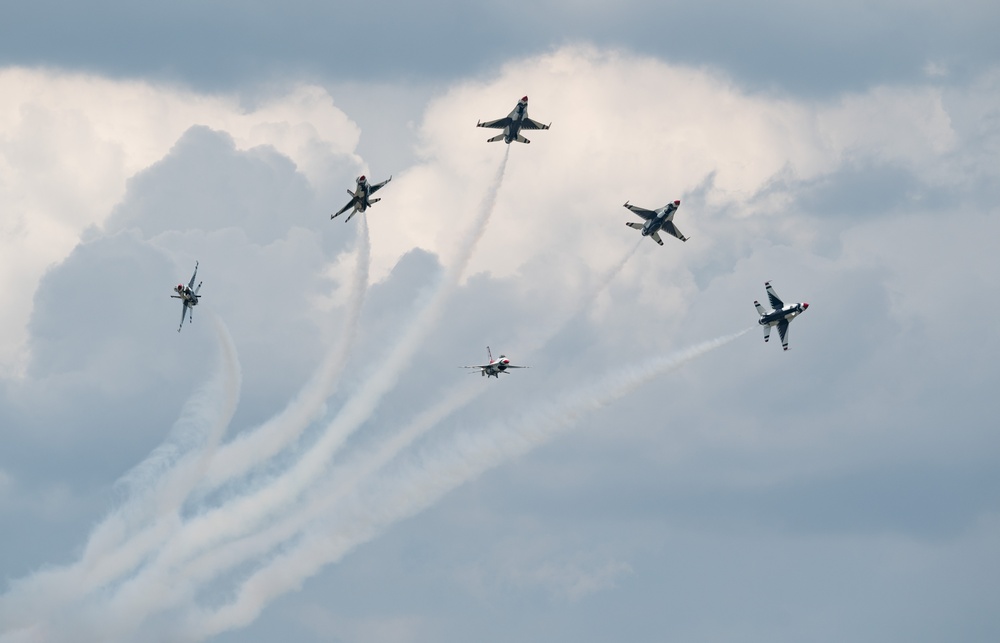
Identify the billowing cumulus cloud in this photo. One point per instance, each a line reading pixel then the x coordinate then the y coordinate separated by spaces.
pixel 873 205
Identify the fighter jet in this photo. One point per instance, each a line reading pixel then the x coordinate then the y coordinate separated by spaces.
pixel 360 198
pixel 779 315
pixel 512 125
pixel 189 297
pixel 657 220
pixel 495 366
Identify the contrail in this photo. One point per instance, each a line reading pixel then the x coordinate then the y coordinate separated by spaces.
pixel 424 482
pixel 345 478
pixel 252 448
pixel 585 302
pixel 155 490
pixel 243 514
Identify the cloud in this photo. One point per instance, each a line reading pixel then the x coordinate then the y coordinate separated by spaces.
pixel 69 143
pixel 761 179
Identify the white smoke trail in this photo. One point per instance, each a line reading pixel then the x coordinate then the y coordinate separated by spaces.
pixel 585 302
pixel 249 449
pixel 346 477
pixel 155 491
pixel 422 484
pixel 146 592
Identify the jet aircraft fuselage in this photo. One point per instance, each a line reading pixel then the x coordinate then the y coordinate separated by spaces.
pixel 361 197
pixel 494 367
pixel 189 297
pixel 780 315
pixel 656 221
pixel 513 123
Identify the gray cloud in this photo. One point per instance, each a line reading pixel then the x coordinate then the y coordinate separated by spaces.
pixel 752 485
pixel 810 50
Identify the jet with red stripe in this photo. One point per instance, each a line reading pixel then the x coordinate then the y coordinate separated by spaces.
pixel 495 366
pixel 513 123
pixel 656 221
pixel 780 315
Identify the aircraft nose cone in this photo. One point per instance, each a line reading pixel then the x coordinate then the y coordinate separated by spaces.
pixel 804 306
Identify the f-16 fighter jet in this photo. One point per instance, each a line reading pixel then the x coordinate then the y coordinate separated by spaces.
pixel 512 125
pixel 495 366
pixel 779 315
pixel 657 220
pixel 189 297
pixel 360 198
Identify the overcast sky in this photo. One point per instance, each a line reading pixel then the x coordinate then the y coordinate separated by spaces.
pixel 305 460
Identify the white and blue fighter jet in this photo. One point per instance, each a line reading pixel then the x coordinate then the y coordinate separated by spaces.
pixel 189 297
pixel 512 125
pixel 656 221
pixel 361 198
pixel 780 315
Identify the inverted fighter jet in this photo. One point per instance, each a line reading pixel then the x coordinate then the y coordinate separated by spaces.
pixel 495 366
pixel 360 198
pixel 189 297
pixel 657 220
pixel 512 125
pixel 779 315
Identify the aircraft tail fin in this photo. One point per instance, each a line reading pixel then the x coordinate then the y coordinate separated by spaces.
pixel 760 309
pixel 633 224
pixel 498 137
pixel 521 139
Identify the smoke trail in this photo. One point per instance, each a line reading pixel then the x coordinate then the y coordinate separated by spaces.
pixel 585 302
pixel 245 513
pixel 154 491
pixel 242 513
pixel 346 477
pixel 422 484
pixel 252 448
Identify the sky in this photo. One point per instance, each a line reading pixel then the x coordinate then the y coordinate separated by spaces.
pixel 306 461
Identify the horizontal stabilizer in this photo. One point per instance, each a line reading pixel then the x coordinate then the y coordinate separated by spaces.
pixel 521 139
pixel 633 224
pixel 760 309
pixel 498 137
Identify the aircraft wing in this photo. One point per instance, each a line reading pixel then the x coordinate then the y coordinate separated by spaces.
pixel 512 366
pixel 776 302
pixel 378 186
pixel 191 283
pixel 527 123
pixel 345 208
pixel 642 212
pixel 479 367
pixel 499 123
pixel 670 228
pixel 783 333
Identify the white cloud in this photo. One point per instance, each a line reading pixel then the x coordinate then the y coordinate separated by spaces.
pixel 623 128
pixel 69 143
